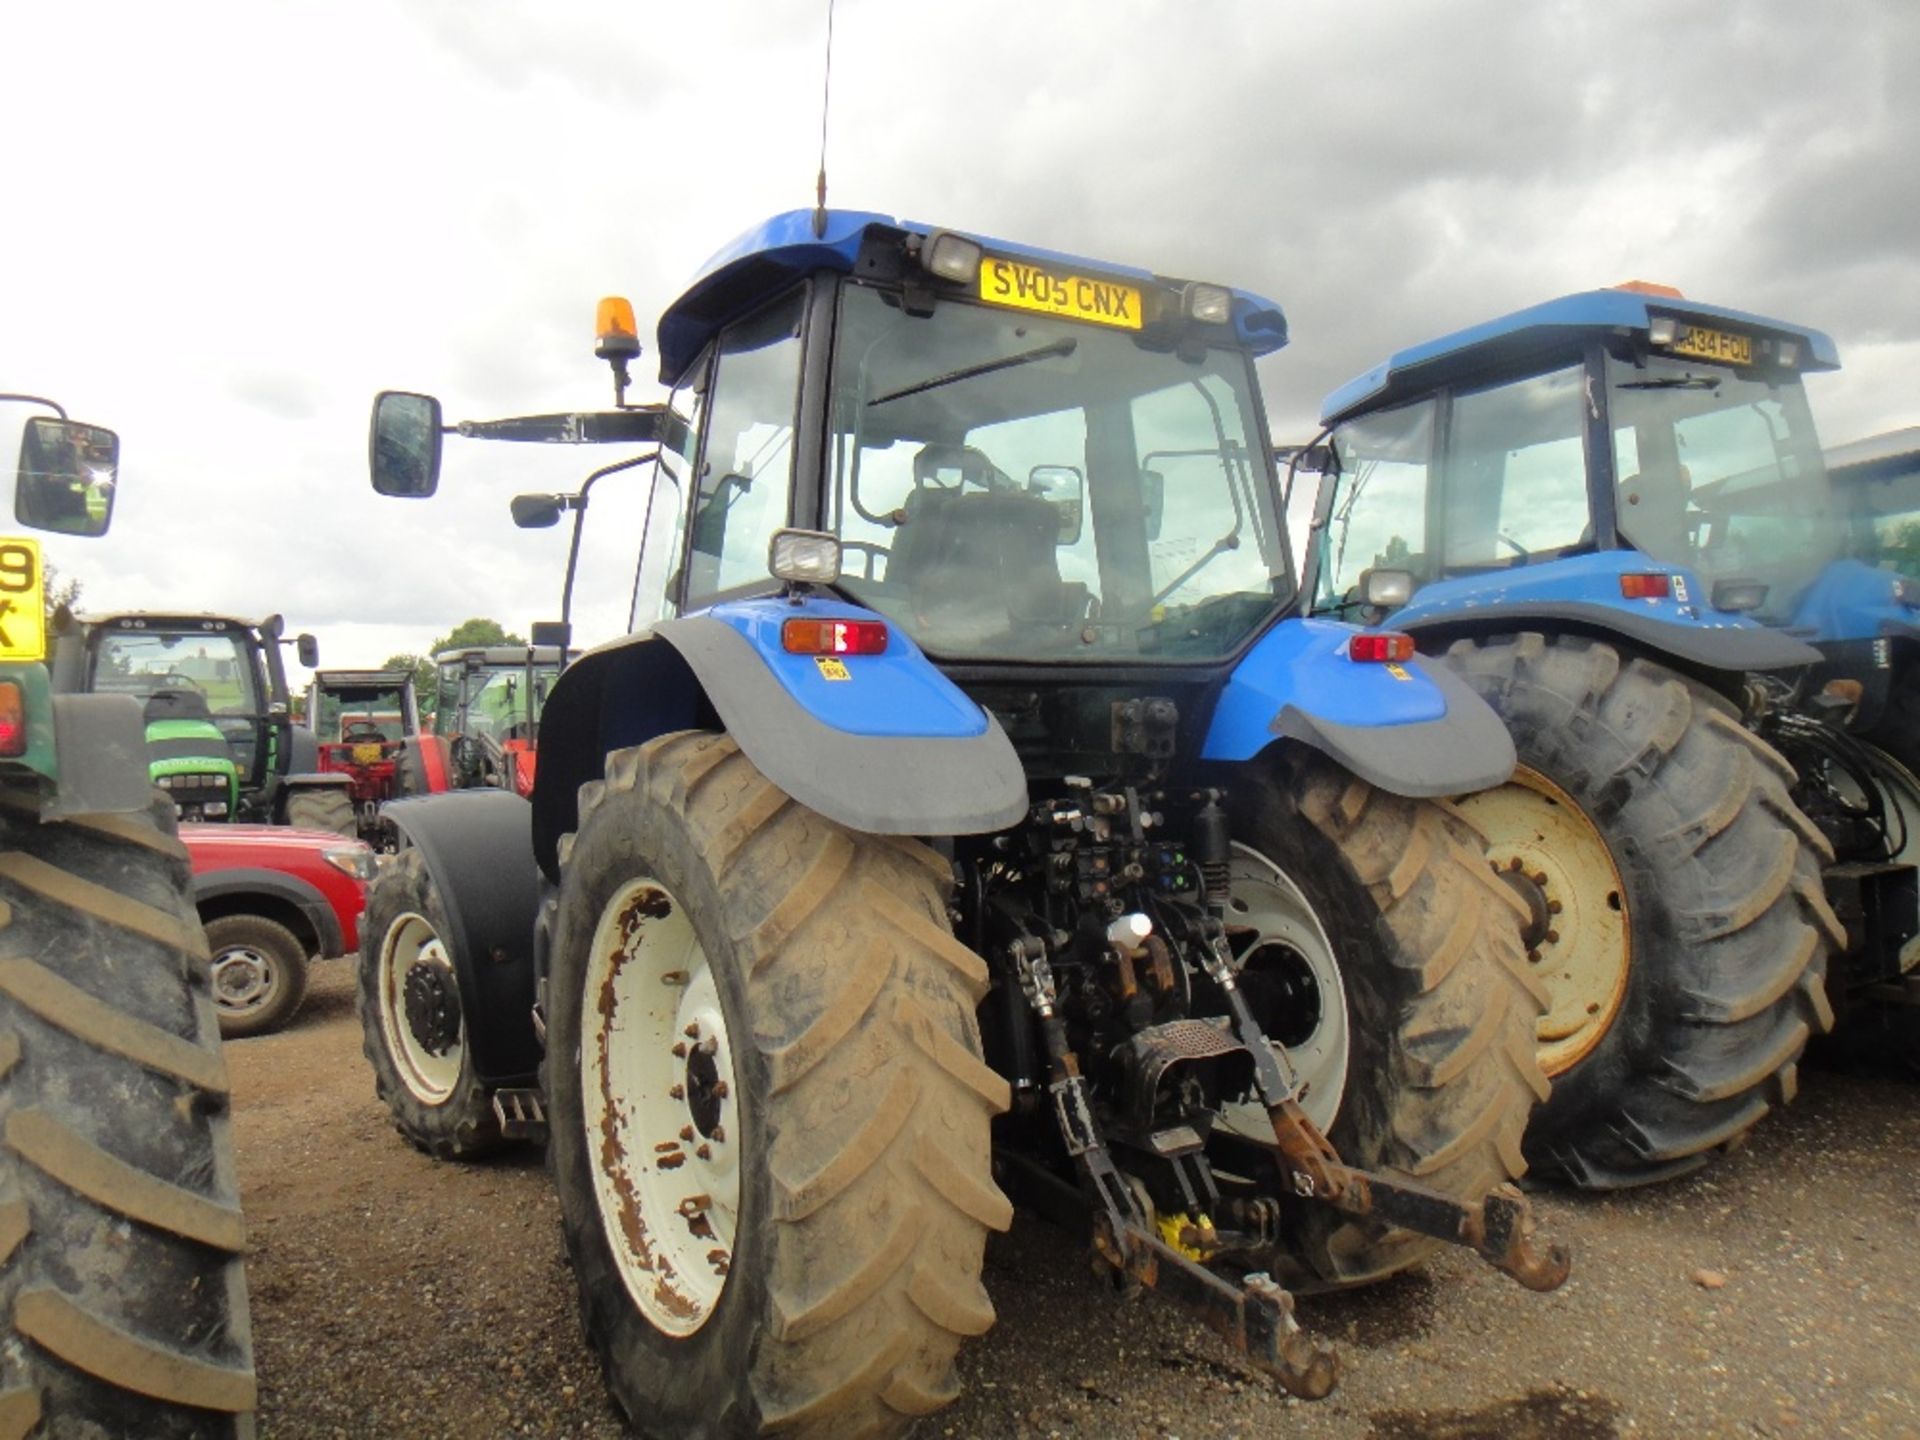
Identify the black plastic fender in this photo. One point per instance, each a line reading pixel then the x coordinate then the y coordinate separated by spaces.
pixel 477 845
pixel 701 672
pixel 100 745
pixel 1735 649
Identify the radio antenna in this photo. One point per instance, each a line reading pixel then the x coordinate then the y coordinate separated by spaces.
pixel 826 94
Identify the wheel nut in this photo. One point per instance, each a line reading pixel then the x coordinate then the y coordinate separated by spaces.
pixel 677 1092
pixel 679 1049
pixel 686 1132
pixel 705 1152
pixel 719 1136
pixel 692 1031
pixel 1540 879
pixel 695 1205
pixel 719 1089
pixel 1553 937
pixel 1514 864
pixel 710 1045
pixel 674 977
pixel 1533 957
pixel 1553 907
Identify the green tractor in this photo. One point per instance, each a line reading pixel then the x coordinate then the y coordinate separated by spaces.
pixel 490 698
pixel 220 734
pixel 123 1295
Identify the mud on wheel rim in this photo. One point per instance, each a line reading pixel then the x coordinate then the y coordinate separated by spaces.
pixel 1289 951
pixel 419 1000
pixel 245 979
pixel 1581 942
pixel 660 1107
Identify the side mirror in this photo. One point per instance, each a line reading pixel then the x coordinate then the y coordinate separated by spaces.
pixel 1153 500
pixel 1062 487
pixel 1386 589
pixel 557 633
pixel 67 477
pixel 403 449
pixel 537 512
pixel 308 650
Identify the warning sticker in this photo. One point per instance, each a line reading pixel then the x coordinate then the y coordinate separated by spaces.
pixel 832 669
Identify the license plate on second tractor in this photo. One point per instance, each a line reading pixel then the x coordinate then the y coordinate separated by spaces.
pixel 368 754
pixel 1703 344
pixel 1078 297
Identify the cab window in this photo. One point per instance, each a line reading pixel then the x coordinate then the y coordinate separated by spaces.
pixel 745 475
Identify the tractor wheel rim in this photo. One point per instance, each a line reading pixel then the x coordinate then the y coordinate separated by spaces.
pixel 410 944
pixel 1537 832
pixel 244 979
pixel 662 1112
pixel 1290 936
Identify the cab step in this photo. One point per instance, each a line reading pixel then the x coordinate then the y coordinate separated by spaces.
pixel 521 1114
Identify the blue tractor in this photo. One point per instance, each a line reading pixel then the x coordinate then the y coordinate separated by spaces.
pixel 1610 516
pixel 969 808
pixel 1877 482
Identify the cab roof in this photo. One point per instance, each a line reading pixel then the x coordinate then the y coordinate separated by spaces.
pixel 362 679
pixel 514 655
pixel 1412 372
pixel 1876 456
pixel 775 253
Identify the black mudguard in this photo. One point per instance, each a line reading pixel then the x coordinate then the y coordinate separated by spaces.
pixel 477 845
pixel 100 744
pixel 700 672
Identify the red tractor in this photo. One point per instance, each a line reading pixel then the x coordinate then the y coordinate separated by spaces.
pixel 368 726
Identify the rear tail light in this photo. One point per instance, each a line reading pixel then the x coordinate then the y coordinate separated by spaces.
pixel 1380 647
pixel 833 637
pixel 13 720
pixel 1646 587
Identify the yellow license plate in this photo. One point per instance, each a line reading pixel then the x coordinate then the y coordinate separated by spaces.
pixel 1704 344
pixel 366 754
pixel 23 601
pixel 1021 286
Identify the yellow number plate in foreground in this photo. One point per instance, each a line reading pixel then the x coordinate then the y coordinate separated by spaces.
pixel 23 601
pixel 1705 344
pixel 1027 287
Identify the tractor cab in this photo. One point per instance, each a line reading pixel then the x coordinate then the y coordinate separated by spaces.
pixel 1630 430
pixel 489 703
pixel 220 736
pixel 367 725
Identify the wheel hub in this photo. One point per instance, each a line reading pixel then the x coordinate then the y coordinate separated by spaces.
pixel 433 1007
pixel 240 978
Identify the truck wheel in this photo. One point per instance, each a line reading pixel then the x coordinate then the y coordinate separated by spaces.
pixel 769 1115
pixel 122 1283
pixel 259 973
pixel 1396 976
pixel 411 1024
pixel 1679 919
pixel 322 808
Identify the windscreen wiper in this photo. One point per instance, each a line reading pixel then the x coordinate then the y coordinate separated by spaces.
pixel 1682 382
pixel 1062 347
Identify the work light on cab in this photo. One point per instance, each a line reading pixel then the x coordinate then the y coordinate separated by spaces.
pixel 1663 330
pixel 951 257
pixel 1646 586
pixel 804 557
pixel 1380 647
pixel 1208 304
pixel 833 637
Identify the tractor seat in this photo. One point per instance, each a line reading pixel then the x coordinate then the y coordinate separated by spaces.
pixel 177 705
pixel 979 564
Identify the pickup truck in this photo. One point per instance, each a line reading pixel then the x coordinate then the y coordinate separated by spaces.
pixel 271 899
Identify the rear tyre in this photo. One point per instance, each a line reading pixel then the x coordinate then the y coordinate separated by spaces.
pixel 1688 953
pixel 769 1115
pixel 1439 1076
pixel 412 1020
pixel 322 808
pixel 259 973
pixel 121 1278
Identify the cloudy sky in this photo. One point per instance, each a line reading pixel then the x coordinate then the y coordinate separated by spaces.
pixel 228 225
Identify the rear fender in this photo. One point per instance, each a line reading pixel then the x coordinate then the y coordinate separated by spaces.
pixel 892 748
pixel 100 751
pixel 477 845
pixel 1415 729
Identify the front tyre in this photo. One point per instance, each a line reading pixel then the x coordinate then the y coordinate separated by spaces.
pixel 259 974
pixel 412 1020
pixel 769 1117
pixel 1435 1067
pixel 121 1281
pixel 1680 919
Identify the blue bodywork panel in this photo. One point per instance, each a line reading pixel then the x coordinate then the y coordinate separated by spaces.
pixel 1304 663
pixel 774 254
pixel 1412 372
pixel 896 693
pixel 1589 579
pixel 1852 600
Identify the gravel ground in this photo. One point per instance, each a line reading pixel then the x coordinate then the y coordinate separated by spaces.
pixel 1777 1295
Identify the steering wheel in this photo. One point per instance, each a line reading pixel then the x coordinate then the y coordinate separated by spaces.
pixel 174 680
pixel 361 732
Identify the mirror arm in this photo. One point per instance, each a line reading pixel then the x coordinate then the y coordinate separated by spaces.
pixel 53 405
pixel 578 504
pixel 593 427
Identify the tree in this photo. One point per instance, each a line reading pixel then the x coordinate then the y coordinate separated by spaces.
pixel 59 592
pixel 477 631
pixel 425 678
